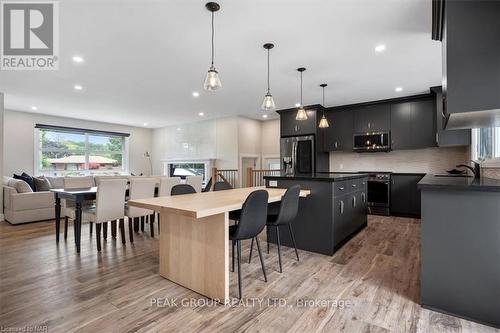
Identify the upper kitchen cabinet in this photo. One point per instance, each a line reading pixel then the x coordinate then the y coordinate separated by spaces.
pixel 291 127
pixel 413 124
pixel 338 137
pixel 470 35
pixel 372 118
pixel 445 137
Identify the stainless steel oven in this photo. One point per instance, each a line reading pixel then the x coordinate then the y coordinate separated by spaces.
pixel 379 193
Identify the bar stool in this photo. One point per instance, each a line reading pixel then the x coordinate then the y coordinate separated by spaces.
pixel 252 222
pixel 289 208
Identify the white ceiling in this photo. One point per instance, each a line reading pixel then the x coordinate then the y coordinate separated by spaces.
pixel 143 59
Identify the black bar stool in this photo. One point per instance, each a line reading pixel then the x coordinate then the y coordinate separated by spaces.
pixel 289 208
pixel 252 222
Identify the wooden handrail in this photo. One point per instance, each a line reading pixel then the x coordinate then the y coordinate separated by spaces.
pixel 255 177
pixel 227 175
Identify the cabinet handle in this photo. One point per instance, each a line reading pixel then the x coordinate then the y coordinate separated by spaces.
pixel 363 197
pixel 437 137
pixel 296 128
pixel 341 206
pixel 368 125
pixel 341 188
pixel 336 144
pixel 353 202
pixel 353 185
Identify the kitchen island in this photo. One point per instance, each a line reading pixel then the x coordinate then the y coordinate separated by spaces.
pixel 335 210
pixel 460 250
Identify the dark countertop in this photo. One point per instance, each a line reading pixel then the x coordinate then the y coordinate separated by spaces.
pixel 328 177
pixel 431 182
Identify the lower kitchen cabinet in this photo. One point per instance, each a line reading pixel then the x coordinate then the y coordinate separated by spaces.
pixel 405 196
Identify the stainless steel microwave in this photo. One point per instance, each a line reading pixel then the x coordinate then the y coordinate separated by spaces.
pixel 372 142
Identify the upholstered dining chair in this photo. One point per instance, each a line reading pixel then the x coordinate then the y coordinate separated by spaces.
pixel 181 189
pixel 195 181
pixel 166 184
pixel 68 207
pixel 222 186
pixel 140 188
pixel 109 207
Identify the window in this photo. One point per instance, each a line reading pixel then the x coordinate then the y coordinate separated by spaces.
pixel 187 169
pixel 485 143
pixel 77 151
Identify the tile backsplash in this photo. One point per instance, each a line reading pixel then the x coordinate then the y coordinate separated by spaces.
pixel 429 160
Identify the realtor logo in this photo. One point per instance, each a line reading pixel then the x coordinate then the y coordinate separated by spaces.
pixel 29 35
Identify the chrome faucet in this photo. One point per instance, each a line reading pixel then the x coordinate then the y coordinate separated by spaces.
pixel 476 170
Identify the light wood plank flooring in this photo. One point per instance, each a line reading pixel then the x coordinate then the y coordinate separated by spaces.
pixel 377 272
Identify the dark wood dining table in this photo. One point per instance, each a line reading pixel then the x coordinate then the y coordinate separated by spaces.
pixel 78 196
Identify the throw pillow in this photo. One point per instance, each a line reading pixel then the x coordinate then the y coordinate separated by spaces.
pixel 28 179
pixel 20 185
pixel 41 184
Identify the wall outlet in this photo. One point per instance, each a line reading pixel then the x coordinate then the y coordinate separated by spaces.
pixel 341 166
pixel 273 183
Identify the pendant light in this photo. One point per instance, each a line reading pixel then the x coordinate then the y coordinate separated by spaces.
pixel 212 81
pixel 268 102
pixel 301 113
pixel 323 123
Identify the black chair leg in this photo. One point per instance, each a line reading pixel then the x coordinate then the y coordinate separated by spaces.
pixel 293 240
pixel 142 223
pixel 136 224
pixel 152 225
pixel 131 229
pixel 238 244
pixel 267 233
pixel 113 229
pixel 98 236
pixel 65 227
pixel 122 230
pixel 158 223
pixel 233 256
pixel 261 259
pixel 91 227
pixel 251 249
pixel 279 247
pixel 105 230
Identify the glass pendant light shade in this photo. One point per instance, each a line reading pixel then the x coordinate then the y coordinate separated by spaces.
pixel 323 123
pixel 301 114
pixel 268 103
pixel 212 80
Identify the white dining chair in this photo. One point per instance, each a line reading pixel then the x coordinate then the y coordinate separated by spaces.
pixel 166 184
pixel 140 188
pixel 109 207
pixel 195 181
pixel 68 207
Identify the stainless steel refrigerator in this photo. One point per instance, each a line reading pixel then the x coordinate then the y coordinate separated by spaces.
pixel 297 154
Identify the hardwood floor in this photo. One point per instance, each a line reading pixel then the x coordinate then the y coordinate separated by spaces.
pixel 376 274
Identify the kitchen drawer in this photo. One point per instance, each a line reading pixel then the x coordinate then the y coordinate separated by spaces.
pixel 345 187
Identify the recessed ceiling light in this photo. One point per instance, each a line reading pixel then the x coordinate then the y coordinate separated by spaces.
pixel 297 105
pixel 201 114
pixel 77 59
pixel 196 94
pixel 380 48
pixel 145 124
pixel 398 89
pixel 34 108
pixel 264 116
pixel 78 87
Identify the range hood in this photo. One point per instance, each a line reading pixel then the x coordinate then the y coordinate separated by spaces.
pixel 470 35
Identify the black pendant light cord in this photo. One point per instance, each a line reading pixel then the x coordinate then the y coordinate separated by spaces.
pixel 212 39
pixel 301 89
pixel 268 66
pixel 323 101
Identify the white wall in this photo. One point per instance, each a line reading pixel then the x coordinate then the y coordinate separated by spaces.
pixel 270 138
pixel 1 152
pixel 227 143
pixel 249 136
pixel 19 140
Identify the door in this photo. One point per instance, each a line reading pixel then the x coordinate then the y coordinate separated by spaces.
pixel 247 162
pixel 401 196
pixel 423 128
pixel 342 216
pixel 338 137
pixel 289 126
pixel 372 118
pixel 400 125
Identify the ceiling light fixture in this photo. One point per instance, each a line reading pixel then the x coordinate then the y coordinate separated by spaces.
pixel 196 94
pixel 77 59
pixel 301 113
pixel 145 124
pixel 268 102
pixel 78 87
pixel 34 108
pixel 212 80
pixel 201 114
pixel 398 89
pixel 264 116
pixel 380 48
pixel 323 123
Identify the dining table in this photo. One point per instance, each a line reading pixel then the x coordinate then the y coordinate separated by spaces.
pixel 194 238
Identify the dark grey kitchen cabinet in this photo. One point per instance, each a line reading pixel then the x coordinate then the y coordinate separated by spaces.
pixel 338 137
pixel 400 126
pixel 343 217
pixel 413 124
pixel 445 137
pixel 372 118
pixel 289 126
pixel 405 196
pixel 423 124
